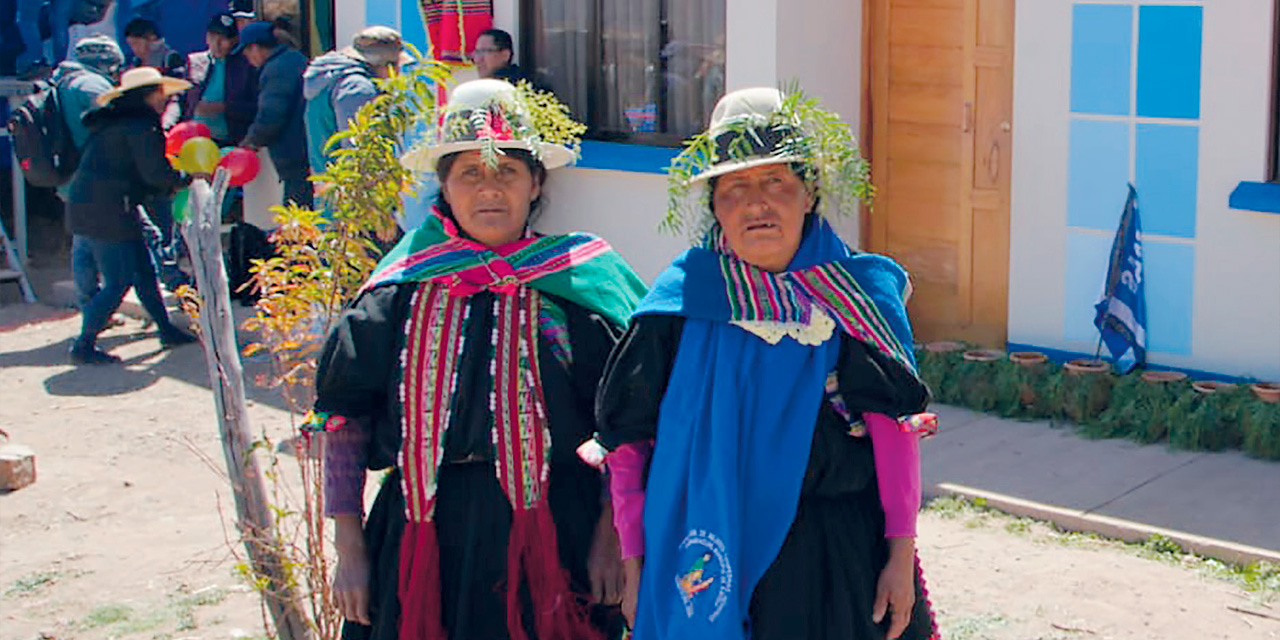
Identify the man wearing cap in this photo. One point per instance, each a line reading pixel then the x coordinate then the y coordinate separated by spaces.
pixel 338 83
pixel 278 124
pixel 224 93
pixel 89 73
pixel 95 62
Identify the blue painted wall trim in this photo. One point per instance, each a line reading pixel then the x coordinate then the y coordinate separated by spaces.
pixel 1059 356
pixel 1257 196
pixel 625 157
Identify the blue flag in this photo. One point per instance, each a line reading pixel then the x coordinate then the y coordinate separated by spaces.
pixel 1122 311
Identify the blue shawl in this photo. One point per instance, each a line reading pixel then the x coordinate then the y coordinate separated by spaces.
pixel 736 424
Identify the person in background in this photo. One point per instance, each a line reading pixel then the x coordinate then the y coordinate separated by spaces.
pixel 278 123
pixel 123 165
pixel 494 57
pixel 224 86
pixel 91 72
pixel 243 13
pixel 282 27
pixel 150 50
pixel 338 83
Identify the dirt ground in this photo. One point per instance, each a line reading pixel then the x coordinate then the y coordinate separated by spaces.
pixel 124 533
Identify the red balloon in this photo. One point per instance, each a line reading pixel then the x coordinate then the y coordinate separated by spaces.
pixel 241 166
pixel 182 132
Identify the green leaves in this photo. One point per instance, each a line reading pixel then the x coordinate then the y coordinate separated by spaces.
pixel 834 168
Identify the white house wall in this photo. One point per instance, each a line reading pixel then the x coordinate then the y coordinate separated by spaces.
pixel 817 42
pixel 1213 273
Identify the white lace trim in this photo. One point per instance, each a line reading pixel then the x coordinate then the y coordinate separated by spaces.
pixel 816 332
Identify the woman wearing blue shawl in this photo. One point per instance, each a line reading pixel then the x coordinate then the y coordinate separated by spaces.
pixel 770 374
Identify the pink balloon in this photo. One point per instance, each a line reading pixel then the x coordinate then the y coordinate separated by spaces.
pixel 241 165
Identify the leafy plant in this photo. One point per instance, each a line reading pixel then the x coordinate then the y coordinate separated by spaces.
pixel 938 369
pixel 322 258
pixel 1260 422
pixel 1212 420
pixel 1080 398
pixel 832 164
pixel 1138 409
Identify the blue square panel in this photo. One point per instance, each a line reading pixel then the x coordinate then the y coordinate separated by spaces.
pixel 1088 255
pixel 1168 166
pixel 1169 61
pixel 1169 270
pixel 1101 58
pixel 1098 174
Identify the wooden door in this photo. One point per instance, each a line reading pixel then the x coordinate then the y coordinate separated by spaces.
pixel 940 85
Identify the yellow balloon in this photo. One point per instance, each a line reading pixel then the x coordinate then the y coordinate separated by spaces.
pixel 199 155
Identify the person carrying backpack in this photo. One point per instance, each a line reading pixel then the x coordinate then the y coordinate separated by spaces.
pixel 95 63
pixel 46 130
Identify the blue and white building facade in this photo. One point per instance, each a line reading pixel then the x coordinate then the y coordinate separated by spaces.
pixel 1172 96
pixel 1175 98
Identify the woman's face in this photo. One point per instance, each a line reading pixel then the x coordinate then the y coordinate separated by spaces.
pixel 762 210
pixel 491 204
pixel 157 100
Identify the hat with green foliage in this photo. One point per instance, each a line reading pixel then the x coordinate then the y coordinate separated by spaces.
pixel 492 115
pixel 761 126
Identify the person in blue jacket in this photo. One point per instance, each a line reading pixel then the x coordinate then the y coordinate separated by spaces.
pixel 278 124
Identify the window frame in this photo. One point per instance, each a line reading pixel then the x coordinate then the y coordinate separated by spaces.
pixel 594 75
pixel 1273 140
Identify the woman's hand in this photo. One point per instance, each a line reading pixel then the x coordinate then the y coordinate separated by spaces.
pixel 604 563
pixel 351 580
pixel 896 588
pixel 631 589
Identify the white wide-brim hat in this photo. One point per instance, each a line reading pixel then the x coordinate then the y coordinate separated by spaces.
pixel 499 98
pixel 144 77
pixel 746 107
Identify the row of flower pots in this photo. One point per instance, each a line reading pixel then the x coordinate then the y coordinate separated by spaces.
pixel 1264 391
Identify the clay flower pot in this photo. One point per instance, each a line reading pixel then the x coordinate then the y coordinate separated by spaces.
pixel 1267 391
pixel 1028 358
pixel 1210 386
pixel 1087 367
pixel 982 355
pixel 1161 377
pixel 944 346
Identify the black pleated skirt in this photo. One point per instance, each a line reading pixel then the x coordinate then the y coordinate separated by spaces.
pixel 473 523
pixel 822 585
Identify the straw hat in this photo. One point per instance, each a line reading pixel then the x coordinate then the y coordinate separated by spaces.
pixel 753 108
pixel 507 124
pixel 144 77
pixel 763 126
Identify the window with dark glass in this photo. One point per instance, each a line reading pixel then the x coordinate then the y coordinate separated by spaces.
pixel 643 71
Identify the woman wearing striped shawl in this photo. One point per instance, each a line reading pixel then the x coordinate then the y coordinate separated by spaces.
pixel 468 366
pixel 759 418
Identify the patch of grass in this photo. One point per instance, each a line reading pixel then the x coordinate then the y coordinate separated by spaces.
pixel 176 614
pixel 31 583
pixel 972 627
pixel 1260 578
pixel 106 614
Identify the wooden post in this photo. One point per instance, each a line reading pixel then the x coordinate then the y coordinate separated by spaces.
pixel 202 231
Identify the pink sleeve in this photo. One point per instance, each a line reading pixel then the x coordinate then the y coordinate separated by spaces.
pixel 897 454
pixel 626 486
